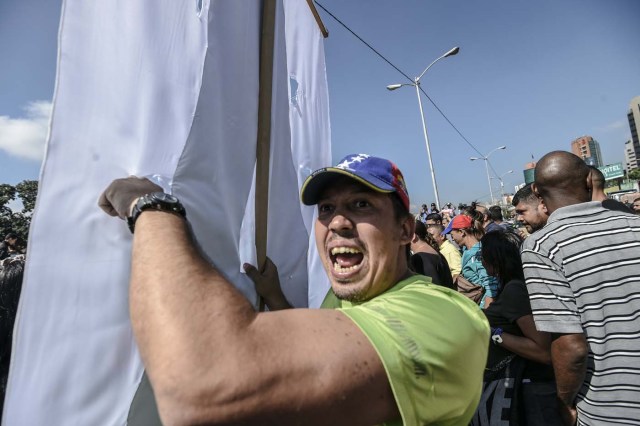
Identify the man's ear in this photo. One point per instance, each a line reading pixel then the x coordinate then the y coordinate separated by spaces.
pixel 408 230
pixel 589 182
pixel 415 239
pixel 543 207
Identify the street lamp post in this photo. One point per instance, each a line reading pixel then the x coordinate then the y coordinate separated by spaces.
pixel 486 165
pixel 502 183
pixel 416 84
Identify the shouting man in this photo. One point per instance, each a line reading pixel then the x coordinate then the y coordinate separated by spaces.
pixel 388 353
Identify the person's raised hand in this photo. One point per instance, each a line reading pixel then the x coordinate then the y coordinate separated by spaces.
pixel 267 285
pixel 120 195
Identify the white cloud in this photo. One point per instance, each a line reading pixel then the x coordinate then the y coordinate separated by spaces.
pixel 25 137
pixel 621 124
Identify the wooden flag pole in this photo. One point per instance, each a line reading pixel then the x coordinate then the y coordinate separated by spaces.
pixel 263 146
pixel 316 15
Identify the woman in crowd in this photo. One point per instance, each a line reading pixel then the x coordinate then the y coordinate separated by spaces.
pixel 427 259
pixel 466 230
pixel 519 355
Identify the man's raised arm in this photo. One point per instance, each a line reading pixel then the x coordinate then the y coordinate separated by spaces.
pixel 212 359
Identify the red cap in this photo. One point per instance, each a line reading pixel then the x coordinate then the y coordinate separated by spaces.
pixel 461 222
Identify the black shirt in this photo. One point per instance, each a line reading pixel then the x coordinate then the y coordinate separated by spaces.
pixel 510 305
pixel 610 204
pixel 4 250
pixel 434 266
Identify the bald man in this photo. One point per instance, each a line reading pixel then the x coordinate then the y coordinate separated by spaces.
pixel 583 276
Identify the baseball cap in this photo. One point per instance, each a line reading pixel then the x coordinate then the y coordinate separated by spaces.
pixel 376 173
pixel 459 222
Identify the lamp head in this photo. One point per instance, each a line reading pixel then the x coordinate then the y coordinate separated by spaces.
pixel 502 147
pixel 452 52
pixel 394 86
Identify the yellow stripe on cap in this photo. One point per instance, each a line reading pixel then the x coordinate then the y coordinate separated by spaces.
pixel 342 172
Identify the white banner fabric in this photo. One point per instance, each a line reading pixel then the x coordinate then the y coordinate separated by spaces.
pixel 155 87
pixel 309 120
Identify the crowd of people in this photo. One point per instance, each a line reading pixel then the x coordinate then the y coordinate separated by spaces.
pixel 12 245
pixel 564 315
pixel 448 317
pixel 11 270
pixel 518 383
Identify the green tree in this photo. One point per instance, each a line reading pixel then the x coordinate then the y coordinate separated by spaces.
pixel 27 191
pixel 7 194
pixel 634 174
pixel 17 221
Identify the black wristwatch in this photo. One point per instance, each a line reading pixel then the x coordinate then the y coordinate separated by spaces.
pixel 155 201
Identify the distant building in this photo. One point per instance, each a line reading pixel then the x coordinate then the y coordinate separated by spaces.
pixel 529 172
pixel 632 147
pixel 631 156
pixel 588 149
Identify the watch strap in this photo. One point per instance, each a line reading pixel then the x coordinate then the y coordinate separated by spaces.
pixel 496 336
pixel 154 201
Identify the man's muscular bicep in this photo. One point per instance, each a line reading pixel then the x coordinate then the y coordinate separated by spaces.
pixel 305 366
pixel 332 355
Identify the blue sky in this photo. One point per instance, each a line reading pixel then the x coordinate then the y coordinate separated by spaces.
pixel 530 75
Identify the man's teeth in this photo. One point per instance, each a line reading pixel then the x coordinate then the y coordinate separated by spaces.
pixel 344 250
pixel 338 268
pixel 339 250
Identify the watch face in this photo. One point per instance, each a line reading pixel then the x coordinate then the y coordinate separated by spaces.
pixel 166 198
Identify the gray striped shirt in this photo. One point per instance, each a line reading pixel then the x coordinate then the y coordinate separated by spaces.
pixel 583 275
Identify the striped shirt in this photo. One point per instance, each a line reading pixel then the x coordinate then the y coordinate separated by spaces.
pixel 583 275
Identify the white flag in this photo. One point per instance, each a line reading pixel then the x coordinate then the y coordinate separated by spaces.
pixel 155 87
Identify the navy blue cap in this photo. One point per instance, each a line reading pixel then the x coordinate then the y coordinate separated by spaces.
pixel 376 173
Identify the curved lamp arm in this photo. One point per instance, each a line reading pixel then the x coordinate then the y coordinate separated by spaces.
pixel 451 52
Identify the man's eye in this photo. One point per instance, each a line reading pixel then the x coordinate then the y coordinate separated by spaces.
pixel 362 204
pixel 324 208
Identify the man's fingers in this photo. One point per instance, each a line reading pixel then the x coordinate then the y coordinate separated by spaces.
pixel 118 197
pixel 269 267
pixel 105 204
pixel 109 210
pixel 251 271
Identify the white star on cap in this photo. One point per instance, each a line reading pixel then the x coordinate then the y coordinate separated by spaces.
pixel 359 158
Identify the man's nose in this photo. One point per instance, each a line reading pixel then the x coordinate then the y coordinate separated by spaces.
pixel 340 222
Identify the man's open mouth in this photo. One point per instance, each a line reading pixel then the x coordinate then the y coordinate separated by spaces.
pixel 346 259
